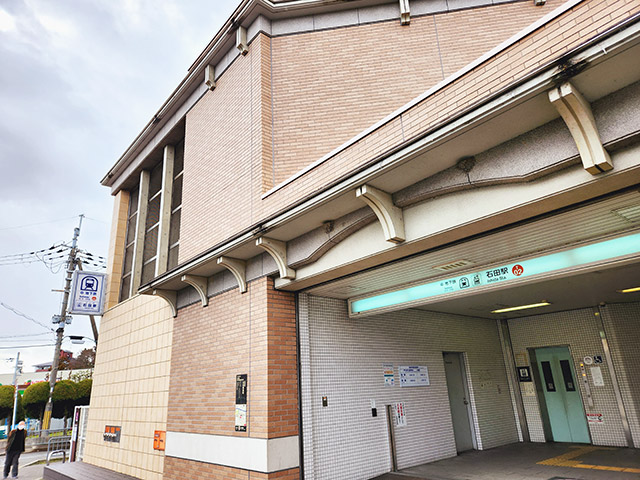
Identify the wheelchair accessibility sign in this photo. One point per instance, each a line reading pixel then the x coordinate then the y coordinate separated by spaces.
pixel 87 293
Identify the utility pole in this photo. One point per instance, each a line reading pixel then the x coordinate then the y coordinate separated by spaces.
pixel 15 394
pixel 71 266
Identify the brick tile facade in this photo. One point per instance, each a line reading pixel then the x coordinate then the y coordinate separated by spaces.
pixel 537 49
pixel 179 469
pixel 252 333
pixel 294 98
pixel 360 74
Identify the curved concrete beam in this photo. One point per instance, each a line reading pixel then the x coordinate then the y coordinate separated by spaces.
pixel 405 12
pixel 388 214
pixel 576 113
pixel 170 296
pixel 200 284
pixel 238 268
pixel 278 250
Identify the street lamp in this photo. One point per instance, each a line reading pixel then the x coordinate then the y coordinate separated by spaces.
pixel 79 339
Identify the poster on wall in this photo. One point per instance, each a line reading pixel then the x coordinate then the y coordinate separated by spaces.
pixel 241 403
pixel 388 375
pixel 413 376
pixel 528 389
pixel 401 418
pixel 596 376
pixel 595 418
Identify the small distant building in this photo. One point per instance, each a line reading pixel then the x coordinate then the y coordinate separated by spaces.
pixel 46 367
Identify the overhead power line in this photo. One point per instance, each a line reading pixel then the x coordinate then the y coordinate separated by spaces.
pixel 27 346
pixel 17 312
pixel 36 224
pixel 26 335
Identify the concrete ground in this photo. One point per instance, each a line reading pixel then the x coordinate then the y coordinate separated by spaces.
pixel 531 461
pixel 28 468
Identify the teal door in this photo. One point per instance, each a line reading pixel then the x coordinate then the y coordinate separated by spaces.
pixel 564 403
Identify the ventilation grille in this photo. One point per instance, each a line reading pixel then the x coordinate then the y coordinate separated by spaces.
pixel 630 213
pixel 453 265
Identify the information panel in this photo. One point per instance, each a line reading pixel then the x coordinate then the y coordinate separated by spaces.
pixel 413 376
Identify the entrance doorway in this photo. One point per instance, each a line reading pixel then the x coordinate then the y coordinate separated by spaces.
pixel 458 389
pixel 564 408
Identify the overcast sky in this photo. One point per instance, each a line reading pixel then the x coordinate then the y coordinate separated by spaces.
pixel 79 79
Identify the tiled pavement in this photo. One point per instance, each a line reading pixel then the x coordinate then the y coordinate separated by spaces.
pixel 531 461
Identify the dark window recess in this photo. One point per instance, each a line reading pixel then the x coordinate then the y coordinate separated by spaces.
pixel 155 180
pixel 173 256
pixel 150 244
pixel 569 384
pixel 153 212
pixel 179 158
pixel 131 228
pixel 176 196
pixel 174 228
pixel 128 260
pixel 548 376
pixel 133 200
pixel 148 271
pixel 124 287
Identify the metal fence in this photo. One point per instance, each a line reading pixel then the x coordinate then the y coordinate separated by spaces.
pixel 58 446
pixel 37 438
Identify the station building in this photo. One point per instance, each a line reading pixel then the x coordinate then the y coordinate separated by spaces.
pixel 365 235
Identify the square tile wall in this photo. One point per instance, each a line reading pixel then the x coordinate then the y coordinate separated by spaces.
pixel 622 325
pixel 343 358
pixel 577 329
pixel 131 387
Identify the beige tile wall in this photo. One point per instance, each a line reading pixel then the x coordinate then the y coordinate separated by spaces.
pixel 131 387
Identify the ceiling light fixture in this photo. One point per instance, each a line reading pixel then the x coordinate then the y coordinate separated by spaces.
pixel 521 307
pixel 630 290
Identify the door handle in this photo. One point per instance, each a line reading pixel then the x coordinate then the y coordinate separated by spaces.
pixel 465 402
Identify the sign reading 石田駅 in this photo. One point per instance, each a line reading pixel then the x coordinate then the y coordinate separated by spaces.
pixel 87 293
pixel 554 262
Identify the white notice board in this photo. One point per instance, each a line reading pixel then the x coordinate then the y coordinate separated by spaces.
pixel 413 376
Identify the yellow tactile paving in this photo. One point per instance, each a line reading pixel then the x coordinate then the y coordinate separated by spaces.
pixel 567 460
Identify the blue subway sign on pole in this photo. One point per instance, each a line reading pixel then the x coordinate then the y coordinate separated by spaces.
pixel 87 293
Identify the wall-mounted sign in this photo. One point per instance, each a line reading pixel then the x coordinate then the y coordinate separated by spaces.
pixel 388 375
pixel 528 389
pixel 241 403
pixel 596 376
pixel 159 439
pixel 595 418
pixel 565 260
pixel 111 434
pixel 413 376
pixel 524 373
pixel 399 412
pixel 87 293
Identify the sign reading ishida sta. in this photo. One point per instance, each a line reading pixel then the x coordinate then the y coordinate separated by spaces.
pixel 553 262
